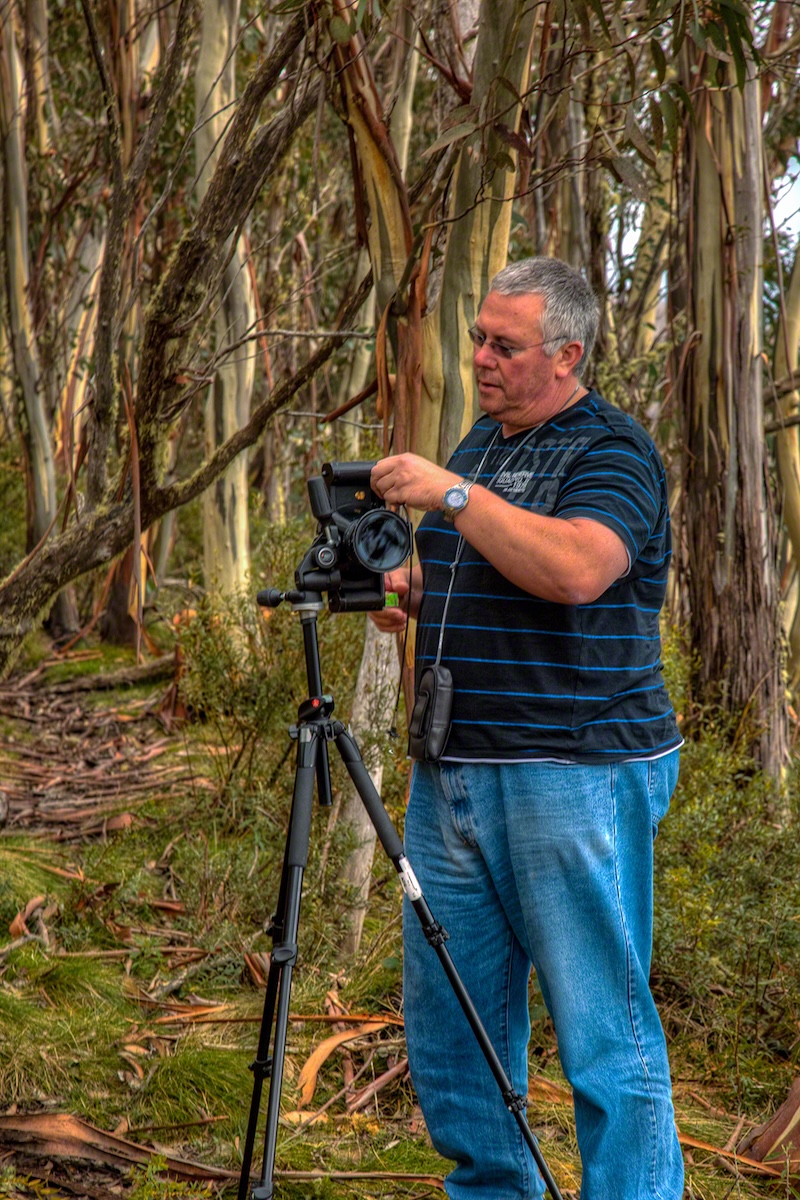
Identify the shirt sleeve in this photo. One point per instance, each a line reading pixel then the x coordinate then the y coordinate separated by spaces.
pixel 618 483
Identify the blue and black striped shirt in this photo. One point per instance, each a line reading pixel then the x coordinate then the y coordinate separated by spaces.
pixel 538 680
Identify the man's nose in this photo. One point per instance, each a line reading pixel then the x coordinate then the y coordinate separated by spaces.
pixel 484 355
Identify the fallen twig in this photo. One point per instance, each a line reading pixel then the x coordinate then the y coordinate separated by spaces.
pixel 20 941
pixel 399 1176
pixel 104 681
pixel 759 1167
pixel 362 1099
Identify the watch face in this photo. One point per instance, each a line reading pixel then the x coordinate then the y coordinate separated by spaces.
pixel 455 497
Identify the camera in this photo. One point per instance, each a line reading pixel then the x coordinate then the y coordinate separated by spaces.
pixel 358 539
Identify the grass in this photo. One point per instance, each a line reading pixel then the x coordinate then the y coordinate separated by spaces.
pixel 80 1036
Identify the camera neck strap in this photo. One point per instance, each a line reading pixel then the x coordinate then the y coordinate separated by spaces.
pixel 473 478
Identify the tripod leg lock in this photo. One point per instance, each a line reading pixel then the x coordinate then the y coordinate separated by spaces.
pixel 435 934
pixel 514 1102
pixel 262 1067
pixel 284 954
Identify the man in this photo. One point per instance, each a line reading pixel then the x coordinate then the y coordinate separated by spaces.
pixel 532 835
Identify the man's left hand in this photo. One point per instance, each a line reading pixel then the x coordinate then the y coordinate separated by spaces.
pixel 412 480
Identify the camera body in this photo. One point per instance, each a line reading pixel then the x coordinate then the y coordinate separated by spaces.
pixel 358 539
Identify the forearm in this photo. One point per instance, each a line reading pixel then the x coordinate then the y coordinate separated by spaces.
pixel 563 561
pixel 569 561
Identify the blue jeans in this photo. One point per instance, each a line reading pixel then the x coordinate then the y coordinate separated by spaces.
pixel 535 863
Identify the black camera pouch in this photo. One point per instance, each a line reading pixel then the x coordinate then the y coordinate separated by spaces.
pixel 429 727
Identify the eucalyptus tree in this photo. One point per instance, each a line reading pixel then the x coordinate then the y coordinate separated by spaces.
pixel 729 521
pixel 431 392
pixel 612 133
pixel 226 526
pixel 25 361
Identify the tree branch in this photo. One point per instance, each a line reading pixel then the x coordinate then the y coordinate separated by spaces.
pixel 180 493
pixel 191 277
pixel 167 87
pixel 107 532
pixel 108 95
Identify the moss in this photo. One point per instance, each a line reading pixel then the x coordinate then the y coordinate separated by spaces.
pixel 12 505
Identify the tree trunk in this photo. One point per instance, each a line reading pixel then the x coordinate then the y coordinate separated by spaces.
pixel 372 713
pixel 787 446
pixel 17 281
pixel 728 519
pixel 226 526
pixel 37 70
pixel 648 267
pixel 379 669
pixel 27 367
pixel 477 248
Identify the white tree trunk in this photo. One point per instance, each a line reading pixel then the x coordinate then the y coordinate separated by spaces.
pixel 380 667
pixel 372 713
pixel 17 264
pixel 787 444
pixel 226 527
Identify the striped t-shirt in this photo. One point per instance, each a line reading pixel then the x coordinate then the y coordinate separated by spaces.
pixel 533 679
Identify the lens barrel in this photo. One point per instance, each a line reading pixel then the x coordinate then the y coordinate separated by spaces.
pixel 379 540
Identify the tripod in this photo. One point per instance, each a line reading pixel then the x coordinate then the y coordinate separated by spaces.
pixel 315 728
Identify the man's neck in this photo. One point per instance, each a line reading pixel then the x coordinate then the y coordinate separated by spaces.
pixel 575 394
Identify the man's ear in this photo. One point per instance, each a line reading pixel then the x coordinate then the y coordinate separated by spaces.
pixel 568 357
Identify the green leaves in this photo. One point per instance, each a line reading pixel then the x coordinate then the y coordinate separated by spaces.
pixel 659 59
pixel 725 33
pixel 637 138
pixel 455 134
pixel 627 173
pixel 343 28
pixel 669 111
pixel 340 30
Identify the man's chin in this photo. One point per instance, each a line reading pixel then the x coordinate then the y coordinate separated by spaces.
pixel 489 397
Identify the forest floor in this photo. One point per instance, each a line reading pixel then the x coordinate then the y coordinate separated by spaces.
pixel 132 973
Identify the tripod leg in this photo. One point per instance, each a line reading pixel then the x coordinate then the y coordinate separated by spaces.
pixel 436 937
pixel 275 1019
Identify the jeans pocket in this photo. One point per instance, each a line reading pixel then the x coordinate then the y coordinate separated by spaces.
pixel 662 778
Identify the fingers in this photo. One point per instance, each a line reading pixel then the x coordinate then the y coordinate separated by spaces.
pixel 389 620
pixel 412 480
pixel 397 581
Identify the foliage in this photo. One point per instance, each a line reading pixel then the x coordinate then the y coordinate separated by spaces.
pixel 727 940
pixel 240 676
pixel 152 1183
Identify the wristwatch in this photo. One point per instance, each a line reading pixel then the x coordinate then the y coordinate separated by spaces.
pixel 455 500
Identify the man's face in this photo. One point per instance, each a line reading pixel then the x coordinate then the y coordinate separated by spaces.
pixel 523 390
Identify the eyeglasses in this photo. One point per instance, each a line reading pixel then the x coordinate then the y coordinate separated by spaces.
pixel 499 349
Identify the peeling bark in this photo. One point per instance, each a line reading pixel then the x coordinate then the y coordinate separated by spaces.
pixel 727 518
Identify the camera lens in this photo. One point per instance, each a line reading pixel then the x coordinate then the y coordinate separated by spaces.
pixel 380 540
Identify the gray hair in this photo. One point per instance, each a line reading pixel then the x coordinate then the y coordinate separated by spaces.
pixel 571 312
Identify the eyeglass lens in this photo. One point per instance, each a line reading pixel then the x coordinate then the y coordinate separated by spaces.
pixel 479 339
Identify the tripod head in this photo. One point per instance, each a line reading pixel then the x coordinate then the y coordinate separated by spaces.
pixel 358 540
